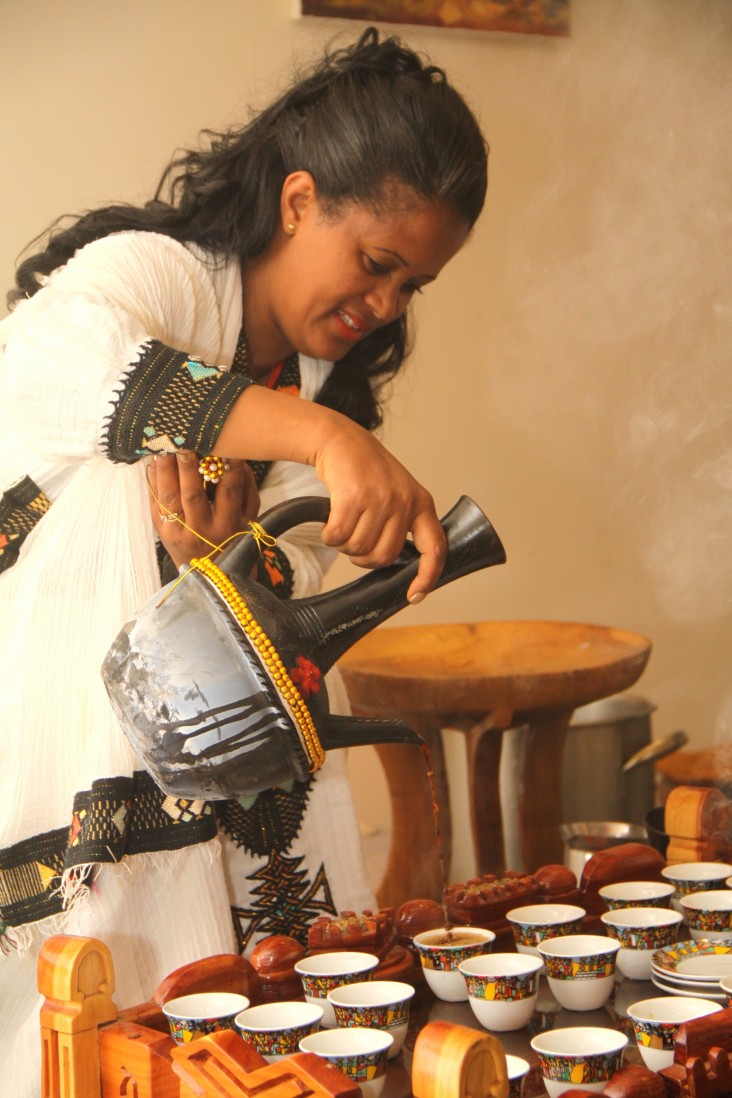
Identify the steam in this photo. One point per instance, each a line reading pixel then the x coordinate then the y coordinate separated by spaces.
pixel 620 292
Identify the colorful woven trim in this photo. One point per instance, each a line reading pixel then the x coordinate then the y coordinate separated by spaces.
pixel 116 817
pixel 22 505
pixel 275 571
pixel 169 401
pixel 237 606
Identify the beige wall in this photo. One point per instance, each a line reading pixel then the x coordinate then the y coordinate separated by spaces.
pixel 573 370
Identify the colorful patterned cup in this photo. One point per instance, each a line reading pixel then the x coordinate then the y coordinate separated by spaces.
pixel 502 988
pixel 324 972
pixel 584 1057
pixel 374 1004
pixel 276 1029
pixel 637 894
pixel 580 969
pixel 656 1022
pixel 641 931
pixel 708 914
pixel 518 1069
pixel 358 1053
pixel 441 951
pixel 534 923
pixel 192 1016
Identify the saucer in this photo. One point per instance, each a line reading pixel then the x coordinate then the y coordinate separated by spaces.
pixel 694 960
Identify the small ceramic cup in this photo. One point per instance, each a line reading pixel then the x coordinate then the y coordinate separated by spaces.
pixel 358 1053
pixel 688 877
pixel 518 1069
pixel 637 894
pixel 276 1029
pixel 640 932
pixel 726 985
pixel 584 1057
pixel 374 1004
pixel 708 914
pixel 656 1022
pixel 580 969
pixel 192 1016
pixel 324 972
pixel 502 988
pixel 441 951
pixel 536 922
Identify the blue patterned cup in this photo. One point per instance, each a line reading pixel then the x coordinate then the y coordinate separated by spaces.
pixel 193 1016
pixel 358 1053
pixel 583 1057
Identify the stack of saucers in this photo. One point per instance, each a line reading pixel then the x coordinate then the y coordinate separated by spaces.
pixel 693 968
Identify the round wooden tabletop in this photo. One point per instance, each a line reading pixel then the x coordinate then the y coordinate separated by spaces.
pixel 515 666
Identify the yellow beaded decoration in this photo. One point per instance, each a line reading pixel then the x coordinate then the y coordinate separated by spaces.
pixel 270 656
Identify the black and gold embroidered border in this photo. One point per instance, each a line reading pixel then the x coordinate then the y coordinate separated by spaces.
pixel 116 817
pixel 168 401
pixel 22 505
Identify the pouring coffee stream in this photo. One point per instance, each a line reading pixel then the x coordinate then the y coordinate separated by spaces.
pixel 220 685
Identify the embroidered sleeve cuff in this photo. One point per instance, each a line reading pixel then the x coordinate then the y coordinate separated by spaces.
pixel 169 401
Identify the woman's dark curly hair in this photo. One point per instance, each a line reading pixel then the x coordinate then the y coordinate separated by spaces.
pixel 368 115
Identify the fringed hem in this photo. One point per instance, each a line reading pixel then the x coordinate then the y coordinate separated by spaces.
pixel 79 884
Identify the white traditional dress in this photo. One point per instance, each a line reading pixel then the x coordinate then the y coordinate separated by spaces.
pixel 125 352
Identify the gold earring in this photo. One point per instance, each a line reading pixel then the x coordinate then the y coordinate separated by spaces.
pixel 290 227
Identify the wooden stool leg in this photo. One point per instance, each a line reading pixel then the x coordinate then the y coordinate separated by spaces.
pixel 484 793
pixel 540 794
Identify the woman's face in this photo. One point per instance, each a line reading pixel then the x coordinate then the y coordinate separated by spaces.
pixel 334 278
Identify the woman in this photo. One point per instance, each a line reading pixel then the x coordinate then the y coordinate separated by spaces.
pixel 279 262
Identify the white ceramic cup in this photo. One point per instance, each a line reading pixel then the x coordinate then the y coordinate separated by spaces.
pixel 276 1029
pixel 502 988
pixel 656 1022
pixel 637 894
pixel 441 951
pixel 708 914
pixel 193 1016
pixel 517 1069
pixel 640 932
pixel 374 1004
pixel 580 969
pixel 323 972
pixel 358 1053
pixel 533 923
pixel 582 1057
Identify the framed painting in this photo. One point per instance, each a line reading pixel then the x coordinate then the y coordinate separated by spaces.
pixel 550 17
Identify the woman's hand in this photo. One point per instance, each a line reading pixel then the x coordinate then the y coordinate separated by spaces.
pixel 180 488
pixel 375 501
pixel 375 504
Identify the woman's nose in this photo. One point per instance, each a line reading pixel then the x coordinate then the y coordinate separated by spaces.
pixel 383 299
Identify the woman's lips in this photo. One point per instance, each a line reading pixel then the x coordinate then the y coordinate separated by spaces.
pixel 350 327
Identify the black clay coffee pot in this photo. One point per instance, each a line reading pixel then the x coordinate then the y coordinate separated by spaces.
pixel 220 686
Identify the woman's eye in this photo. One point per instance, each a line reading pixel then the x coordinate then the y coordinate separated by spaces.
pixel 373 267
pixel 411 288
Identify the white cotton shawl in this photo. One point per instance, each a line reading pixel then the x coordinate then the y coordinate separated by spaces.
pixel 82 573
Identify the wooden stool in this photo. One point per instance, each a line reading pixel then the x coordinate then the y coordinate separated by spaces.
pixel 482 679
